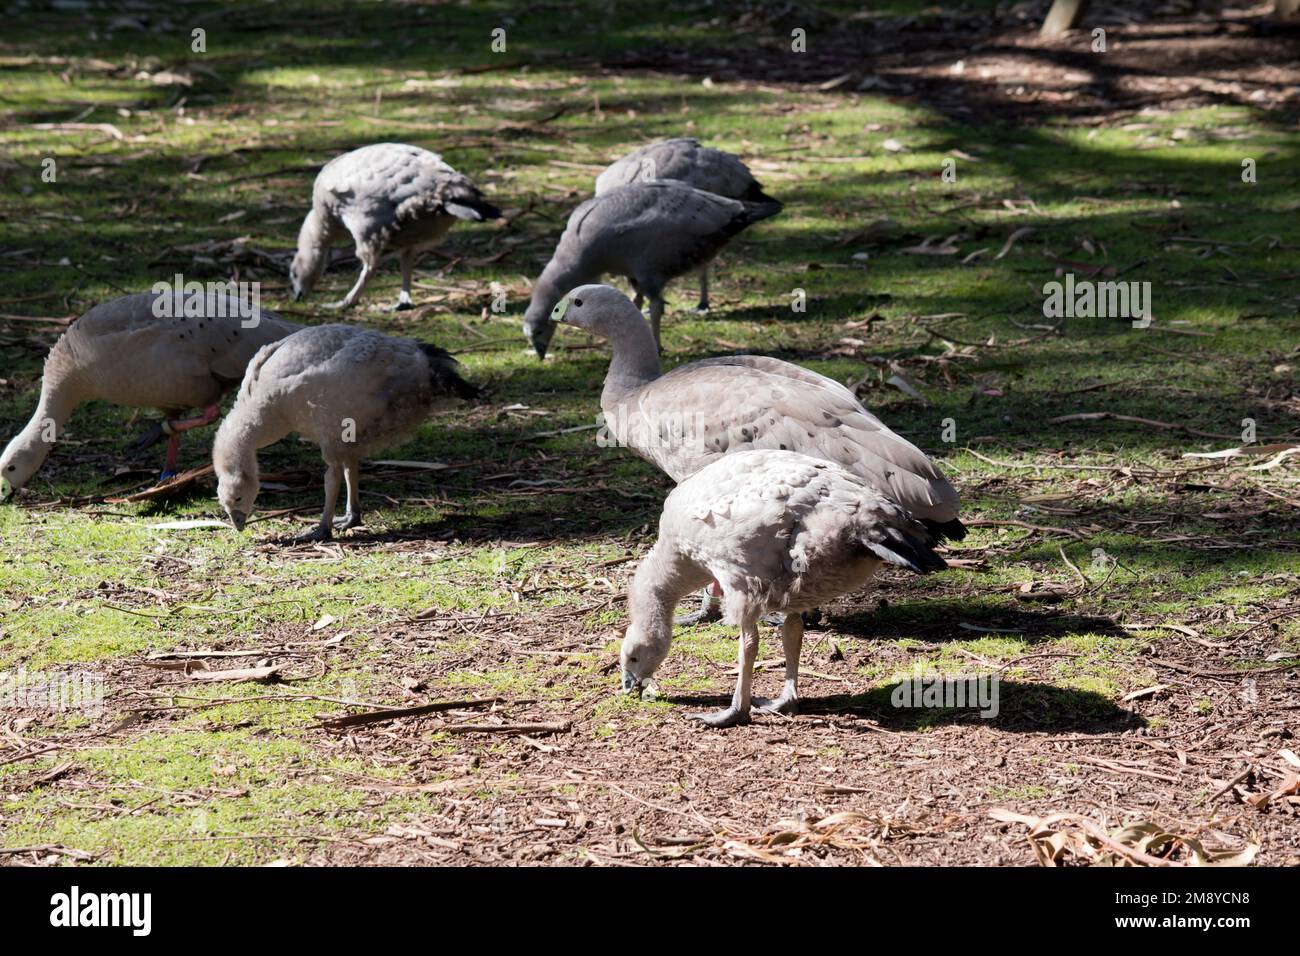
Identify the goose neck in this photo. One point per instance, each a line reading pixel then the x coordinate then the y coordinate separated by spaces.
pixel 635 362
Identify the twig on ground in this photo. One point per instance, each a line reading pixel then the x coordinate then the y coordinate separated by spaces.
pixel 1114 416
pixel 377 716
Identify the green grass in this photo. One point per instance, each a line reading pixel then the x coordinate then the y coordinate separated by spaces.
pixel 234 154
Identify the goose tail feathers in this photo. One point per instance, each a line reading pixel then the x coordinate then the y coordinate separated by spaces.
pixel 444 374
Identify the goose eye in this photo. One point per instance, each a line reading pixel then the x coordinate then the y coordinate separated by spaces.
pixel 632 660
pixel 578 303
pixel 12 468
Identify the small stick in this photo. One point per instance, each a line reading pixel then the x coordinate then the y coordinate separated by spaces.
pixel 990 522
pixel 1229 785
pixel 1070 564
pixel 52 848
pixel 1113 416
pixel 377 716
pixel 505 728
pixel 1120 768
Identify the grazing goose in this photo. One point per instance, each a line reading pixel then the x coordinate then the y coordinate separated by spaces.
pixel 124 352
pixel 385 195
pixel 782 532
pixel 350 390
pixel 683 159
pixel 650 232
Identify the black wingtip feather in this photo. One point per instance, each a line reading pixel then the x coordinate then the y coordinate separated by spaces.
pixel 920 562
pixel 909 545
pixel 756 195
pixel 472 208
pixel 444 374
pixel 758 211
pixel 952 530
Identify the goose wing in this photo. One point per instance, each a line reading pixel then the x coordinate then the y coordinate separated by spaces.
pixel 699 412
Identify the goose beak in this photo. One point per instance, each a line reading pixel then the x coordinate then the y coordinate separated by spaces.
pixel 540 337
pixel 238 519
pixel 6 489
pixel 630 683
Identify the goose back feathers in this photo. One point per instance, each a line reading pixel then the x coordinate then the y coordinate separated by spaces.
pixel 685 160
pixel 705 410
pixel 351 391
pixel 140 352
pixel 387 195
pixel 650 232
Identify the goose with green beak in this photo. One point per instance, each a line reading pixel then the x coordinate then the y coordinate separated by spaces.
pixel 699 412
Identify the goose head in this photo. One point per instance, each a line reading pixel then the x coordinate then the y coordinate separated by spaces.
pixel 644 649
pixel 21 459
pixel 598 309
pixel 237 488
pixel 538 324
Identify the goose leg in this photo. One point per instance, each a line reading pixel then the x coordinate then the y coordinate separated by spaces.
pixel 368 264
pixel 169 427
pixel 704 291
pixel 324 530
pixel 656 313
pixel 738 712
pixel 404 302
pixel 173 428
pixel 185 424
pixel 792 641
pixel 710 608
pixel 173 453
pixel 352 519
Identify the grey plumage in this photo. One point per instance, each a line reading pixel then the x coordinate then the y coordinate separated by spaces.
pixel 650 232
pixel 387 195
pixel 780 531
pixel 702 411
pixel 125 353
pixel 685 160
pixel 351 391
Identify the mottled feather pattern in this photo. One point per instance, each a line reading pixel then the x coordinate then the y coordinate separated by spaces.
pixel 685 160
pixel 122 352
pixel 393 194
pixel 786 532
pixel 699 412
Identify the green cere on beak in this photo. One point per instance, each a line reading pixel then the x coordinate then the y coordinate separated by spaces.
pixel 557 313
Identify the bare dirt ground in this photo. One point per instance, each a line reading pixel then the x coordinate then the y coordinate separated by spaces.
pixel 566 777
